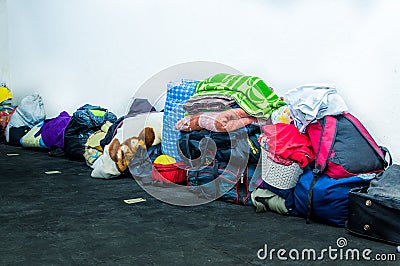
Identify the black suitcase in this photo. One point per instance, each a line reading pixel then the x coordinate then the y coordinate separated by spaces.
pixel 374 217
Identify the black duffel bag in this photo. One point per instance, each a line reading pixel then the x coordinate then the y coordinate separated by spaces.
pixel 374 212
pixel 240 146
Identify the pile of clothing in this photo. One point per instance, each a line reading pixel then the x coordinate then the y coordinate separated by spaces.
pixel 227 137
pixel 224 103
pixel 242 143
pixel 310 165
pixel 230 110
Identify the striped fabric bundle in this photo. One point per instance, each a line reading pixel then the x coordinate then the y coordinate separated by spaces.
pixel 250 93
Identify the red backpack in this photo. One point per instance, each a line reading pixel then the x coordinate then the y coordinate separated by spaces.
pixel 344 148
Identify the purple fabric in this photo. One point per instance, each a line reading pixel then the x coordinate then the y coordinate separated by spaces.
pixel 53 130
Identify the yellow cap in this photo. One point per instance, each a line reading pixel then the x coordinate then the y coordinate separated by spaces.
pixel 5 94
pixel 164 159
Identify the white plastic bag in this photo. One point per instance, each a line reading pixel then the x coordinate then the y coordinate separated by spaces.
pixel 29 113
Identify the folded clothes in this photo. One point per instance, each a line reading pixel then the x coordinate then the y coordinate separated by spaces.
pixel 224 121
pixel 209 102
pixel 250 93
pixel 188 123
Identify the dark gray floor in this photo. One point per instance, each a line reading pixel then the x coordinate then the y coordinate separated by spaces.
pixel 72 219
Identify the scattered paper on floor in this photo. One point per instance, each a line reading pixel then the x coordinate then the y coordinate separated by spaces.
pixel 52 172
pixel 132 201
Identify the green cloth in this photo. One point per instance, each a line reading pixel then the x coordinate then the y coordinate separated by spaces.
pixel 250 93
pixel 97 112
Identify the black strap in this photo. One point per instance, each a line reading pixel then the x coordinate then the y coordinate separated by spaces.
pixel 316 174
pixel 386 151
pixel 322 123
pixel 215 169
pixel 187 149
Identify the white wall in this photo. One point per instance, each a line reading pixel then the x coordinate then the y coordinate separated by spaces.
pixel 4 68
pixel 100 51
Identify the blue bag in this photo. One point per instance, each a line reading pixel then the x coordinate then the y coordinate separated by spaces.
pixel 177 95
pixel 329 199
